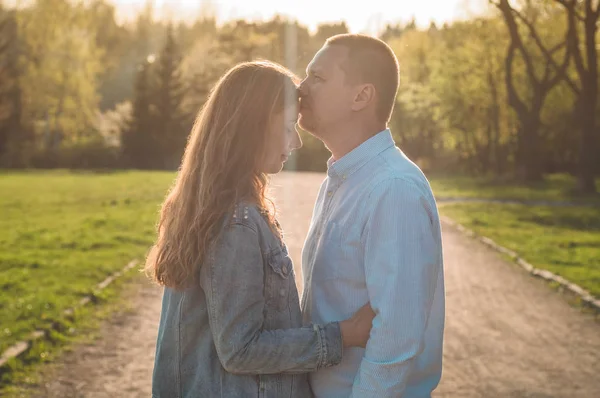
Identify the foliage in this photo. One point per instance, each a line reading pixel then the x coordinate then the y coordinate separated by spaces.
pixel 469 100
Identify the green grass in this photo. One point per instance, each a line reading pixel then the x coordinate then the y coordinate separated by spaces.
pixel 565 241
pixel 36 366
pixel 555 188
pixel 62 233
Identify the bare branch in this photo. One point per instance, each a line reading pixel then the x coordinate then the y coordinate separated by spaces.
pixel 513 97
pixel 560 70
pixel 595 13
pixel 515 37
pixel 565 3
pixel 571 5
pixel 532 30
pixel 557 47
pixel 575 41
pixel 547 71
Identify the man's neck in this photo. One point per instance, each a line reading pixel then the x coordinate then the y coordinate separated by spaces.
pixel 342 142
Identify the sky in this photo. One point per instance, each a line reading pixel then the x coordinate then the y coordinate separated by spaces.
pixel 368 16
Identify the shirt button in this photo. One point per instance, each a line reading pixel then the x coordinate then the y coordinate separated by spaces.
pixel 329 193
pixel 282 292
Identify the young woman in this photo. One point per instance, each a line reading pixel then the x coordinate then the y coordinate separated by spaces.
pixel 231 324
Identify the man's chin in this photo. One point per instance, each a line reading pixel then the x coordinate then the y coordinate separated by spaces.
pixel 305 124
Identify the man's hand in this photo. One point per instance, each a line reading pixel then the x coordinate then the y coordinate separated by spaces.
pixel 356 330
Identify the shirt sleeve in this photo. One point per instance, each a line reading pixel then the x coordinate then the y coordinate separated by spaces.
pixel 401 269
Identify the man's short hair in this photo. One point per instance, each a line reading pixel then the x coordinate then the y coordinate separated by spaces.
pixel 371 60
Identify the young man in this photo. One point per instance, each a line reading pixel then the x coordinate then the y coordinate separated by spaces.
pixel 375 233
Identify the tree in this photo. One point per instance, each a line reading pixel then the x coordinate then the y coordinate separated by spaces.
pixel 392 31
pixel 468 82
pixel 289 42
pixel 243 42
pixel 60 71
pixel 586 65
pixel 415 120
pixel 528 110
pixel 115 42
pixel 11 131
pixel 326 30
pixel 172 123
pixel 138 143
pixel 202 67
pixel 125 47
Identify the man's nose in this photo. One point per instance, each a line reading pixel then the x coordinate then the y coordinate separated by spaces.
pixel 303 88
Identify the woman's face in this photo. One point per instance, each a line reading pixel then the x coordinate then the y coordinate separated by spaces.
pixel 283 139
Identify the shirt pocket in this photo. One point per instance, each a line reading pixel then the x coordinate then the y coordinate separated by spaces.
pixel 278 276
pixel 330 259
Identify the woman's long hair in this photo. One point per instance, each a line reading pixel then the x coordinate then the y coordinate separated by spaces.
pixel 220 167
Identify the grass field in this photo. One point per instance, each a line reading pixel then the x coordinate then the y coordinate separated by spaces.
pixel 565 241
pixel 62 233
pixel 554 188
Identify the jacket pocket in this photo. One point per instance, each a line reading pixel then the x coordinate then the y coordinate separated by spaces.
pixel 278 279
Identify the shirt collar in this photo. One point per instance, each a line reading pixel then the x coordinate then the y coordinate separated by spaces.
pixel 359 156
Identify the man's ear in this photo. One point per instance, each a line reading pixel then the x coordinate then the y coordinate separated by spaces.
pixel 365 95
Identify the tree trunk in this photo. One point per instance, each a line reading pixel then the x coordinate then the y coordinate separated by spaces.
pixel 495 116
pixel 528 161
pixel 587 145
pixel 589 100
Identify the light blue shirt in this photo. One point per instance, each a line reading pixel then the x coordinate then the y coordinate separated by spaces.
pixel 375 237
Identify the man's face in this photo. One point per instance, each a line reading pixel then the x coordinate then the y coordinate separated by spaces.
pixel 325 98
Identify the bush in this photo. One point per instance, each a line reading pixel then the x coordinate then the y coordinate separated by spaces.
pixel 92 154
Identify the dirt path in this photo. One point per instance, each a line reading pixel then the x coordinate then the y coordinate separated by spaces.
pixel 507 334
pixel 117 364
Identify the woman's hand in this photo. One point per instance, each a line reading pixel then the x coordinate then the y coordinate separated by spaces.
pixel 356 330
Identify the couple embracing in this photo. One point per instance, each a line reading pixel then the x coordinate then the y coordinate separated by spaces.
pixel 370 320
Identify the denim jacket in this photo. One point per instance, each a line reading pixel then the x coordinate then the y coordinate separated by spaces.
pixel 240 333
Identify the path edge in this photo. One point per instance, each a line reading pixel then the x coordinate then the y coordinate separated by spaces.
pixel 21 347
pixel 587 299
